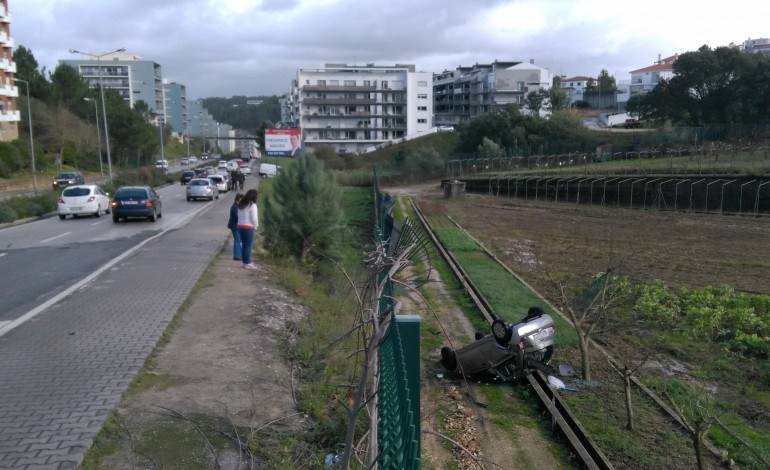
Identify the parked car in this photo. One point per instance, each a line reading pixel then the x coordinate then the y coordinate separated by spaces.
pixel 69 178
pixel 202 188
pixel 186 176
pixel 136 202
pixel 445 129
pixel 631 124
pixel 222 183
pixel 266 170
pixel 86 199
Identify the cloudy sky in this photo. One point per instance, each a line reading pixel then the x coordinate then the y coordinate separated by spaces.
pixel 254 47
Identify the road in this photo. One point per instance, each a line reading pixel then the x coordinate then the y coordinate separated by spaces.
pixel 84 301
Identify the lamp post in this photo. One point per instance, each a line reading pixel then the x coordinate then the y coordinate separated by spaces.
pixel 187 131
pixel 98 136
pixel 31 140
pixel 98 58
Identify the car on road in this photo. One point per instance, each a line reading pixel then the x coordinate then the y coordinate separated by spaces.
pixel 68 178
pixel 131 202
pixel 162 164
pixel 221 182
pixel 445 129
pixel 201 172
pixel 185 161
pixel 222 164
pixel 245 169
pixel 186 176
pixel 192 160
pixel 202 188
pixel 85 199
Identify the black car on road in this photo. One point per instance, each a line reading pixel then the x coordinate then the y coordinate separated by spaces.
pixel 186 176
pixel 136 202
pixel 68 178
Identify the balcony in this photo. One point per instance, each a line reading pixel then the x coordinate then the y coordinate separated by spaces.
pixel 353 88
pixel 337 101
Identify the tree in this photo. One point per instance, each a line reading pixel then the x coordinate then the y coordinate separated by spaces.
pixel 606 82
pixel 558 99
pixel 591 84
pixel 303 212
pixel 590 307
pixel 27 69
pixel 489 149
pixel 537 100
pixel 502 126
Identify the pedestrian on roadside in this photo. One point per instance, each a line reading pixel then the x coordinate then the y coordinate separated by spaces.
pixel 248 221
pixel 232 224
pixel 241 179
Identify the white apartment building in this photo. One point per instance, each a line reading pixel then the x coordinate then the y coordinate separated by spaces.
pixel 9 88
pixel 354 107
pixel 574 87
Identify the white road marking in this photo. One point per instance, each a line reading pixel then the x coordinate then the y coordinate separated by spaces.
pixel 54 238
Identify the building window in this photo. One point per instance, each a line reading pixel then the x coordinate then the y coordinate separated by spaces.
pixel 350 83
pixel 422 83
pixel 422 121
pixel 384 84
pixel 422 97
pixel 334 82
pixel 322 82
pixel 422 108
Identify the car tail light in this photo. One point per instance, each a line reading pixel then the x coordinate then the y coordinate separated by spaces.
pixel 61 201
pixel 92 199
pixel 148 204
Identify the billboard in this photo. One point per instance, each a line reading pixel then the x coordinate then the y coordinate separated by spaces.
pixel 283 142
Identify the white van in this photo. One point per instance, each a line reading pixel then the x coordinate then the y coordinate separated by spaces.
pixel 162 164
pixel 267 170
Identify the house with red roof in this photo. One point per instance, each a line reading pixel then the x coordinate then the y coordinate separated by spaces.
pixel 645 79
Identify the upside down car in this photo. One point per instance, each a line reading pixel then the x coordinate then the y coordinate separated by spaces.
pixel 510 351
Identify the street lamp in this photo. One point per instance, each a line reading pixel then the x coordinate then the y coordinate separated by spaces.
pixel 98 58
pixel 31 140
pixel 98 136
pixel 187 131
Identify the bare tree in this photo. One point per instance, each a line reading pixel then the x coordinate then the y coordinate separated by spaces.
pixel 626 372
pixel 590 307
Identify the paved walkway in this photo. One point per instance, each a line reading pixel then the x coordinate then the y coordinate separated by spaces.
pixel 64 371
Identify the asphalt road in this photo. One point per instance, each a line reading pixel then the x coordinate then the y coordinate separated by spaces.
pixel 84 302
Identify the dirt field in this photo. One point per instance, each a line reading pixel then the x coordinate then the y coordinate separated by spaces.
pixel 684 250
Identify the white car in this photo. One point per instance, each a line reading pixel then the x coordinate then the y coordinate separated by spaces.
pixel 185 161
pixel 193 160
pixel 245 169
pixel 222 164
pixel 162 164
pixel 83 199
pixel 221 182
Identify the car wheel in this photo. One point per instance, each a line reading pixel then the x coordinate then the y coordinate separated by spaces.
pixel 62 217
pixel 448 358
pixel 189 198
pixel 107 211
pixel 152 216
pixel 98 212
pixel 502 332
pixel 115 219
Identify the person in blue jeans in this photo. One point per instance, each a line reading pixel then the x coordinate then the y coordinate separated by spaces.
pixel 248 222
pixel 232 224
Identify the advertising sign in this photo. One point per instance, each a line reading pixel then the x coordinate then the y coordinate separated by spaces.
pixel 283 142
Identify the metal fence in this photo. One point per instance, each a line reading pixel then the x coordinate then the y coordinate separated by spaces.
pixel 397 421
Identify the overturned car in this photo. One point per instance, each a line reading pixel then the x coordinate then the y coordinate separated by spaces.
pixel 509 352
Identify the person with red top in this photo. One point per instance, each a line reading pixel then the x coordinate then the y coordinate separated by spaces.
pixel 248 222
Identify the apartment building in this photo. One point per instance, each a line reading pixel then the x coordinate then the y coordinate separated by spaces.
pixel 133 78
pixel 9 90
pixel 175 95
pixel 354 107
pixel 574 87
pixel 466 93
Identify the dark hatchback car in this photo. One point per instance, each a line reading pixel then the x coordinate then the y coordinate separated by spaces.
pixel 186 176
pixel 136 202
pixel 69 178
pixel 201 172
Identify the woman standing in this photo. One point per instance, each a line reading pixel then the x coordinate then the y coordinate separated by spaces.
pixel 232 224
pixel 248 221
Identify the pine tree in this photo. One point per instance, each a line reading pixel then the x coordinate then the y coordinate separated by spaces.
pixel 303 212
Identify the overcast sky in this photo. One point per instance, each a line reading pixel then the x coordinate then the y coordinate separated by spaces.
pixel 254 47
